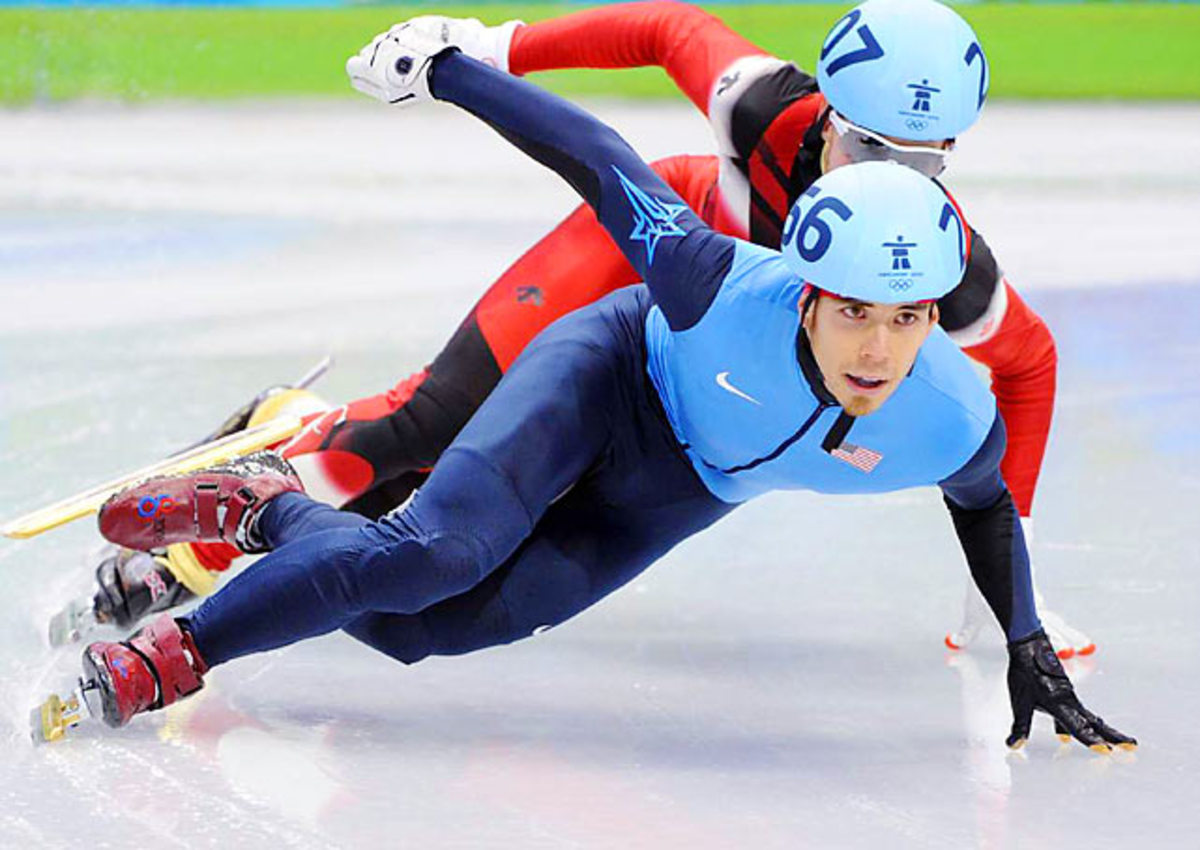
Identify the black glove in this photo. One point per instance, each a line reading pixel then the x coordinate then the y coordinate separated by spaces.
pixel 1036 680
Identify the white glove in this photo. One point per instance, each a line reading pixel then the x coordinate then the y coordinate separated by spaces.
pixel 394 67
pixel 487 44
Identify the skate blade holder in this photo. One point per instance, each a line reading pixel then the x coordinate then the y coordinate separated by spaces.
pixel 50 721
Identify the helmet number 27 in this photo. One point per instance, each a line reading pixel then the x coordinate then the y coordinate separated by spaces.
pixel 870 47
pixel 976 52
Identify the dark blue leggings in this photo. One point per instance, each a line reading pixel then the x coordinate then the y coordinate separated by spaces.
pixel 565 485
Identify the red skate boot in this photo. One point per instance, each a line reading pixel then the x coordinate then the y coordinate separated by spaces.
pixel 209 505
pixel 155 667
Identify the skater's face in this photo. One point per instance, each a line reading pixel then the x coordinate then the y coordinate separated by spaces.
pixel 846 143
pixel 864 350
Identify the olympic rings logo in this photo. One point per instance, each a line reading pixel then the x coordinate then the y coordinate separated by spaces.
pixel 149 507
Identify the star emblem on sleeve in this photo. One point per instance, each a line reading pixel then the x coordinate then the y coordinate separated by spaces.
pixel 653 220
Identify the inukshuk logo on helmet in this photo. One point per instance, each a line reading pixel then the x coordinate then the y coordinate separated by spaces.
pixel 901 273
pixel 921 113
pixel 652 219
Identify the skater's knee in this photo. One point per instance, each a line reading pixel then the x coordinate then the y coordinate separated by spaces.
pixel 457 558
pixel 416 573
pixel 403 638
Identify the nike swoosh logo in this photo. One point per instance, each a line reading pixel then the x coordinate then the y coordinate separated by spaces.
pixel 723 383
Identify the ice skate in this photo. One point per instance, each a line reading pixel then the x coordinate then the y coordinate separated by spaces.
pixel 129 585
pixel 267 421
pixel 976 616
pixel 217 504
pixel 1066 640
pixel 151 670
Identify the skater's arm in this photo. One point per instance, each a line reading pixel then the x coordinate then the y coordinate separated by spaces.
pixel 989 531
pixel 692 46
pixel 987 525
pixel 994 326
pixel 736 84
pixel 1024 366
pixel 681 259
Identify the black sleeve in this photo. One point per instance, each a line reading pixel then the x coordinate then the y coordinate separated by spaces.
pixel 989 531
pixel 762 102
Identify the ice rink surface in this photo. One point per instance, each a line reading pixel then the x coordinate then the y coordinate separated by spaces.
pixel 778 682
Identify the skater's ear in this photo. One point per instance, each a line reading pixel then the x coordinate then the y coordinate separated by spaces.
pixel 808 298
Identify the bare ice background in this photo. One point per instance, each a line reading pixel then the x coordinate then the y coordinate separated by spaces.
pixel 779 681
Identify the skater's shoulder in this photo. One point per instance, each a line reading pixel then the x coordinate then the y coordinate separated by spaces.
pixel 942 376
pixel 761 273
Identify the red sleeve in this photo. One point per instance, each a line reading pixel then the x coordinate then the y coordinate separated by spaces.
pixel 1024 365
pixel 690 44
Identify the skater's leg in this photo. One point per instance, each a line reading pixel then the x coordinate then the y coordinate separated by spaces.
pixel 541 586
pixel 133 583
pixel 443 544
pixel 294 515
pixel 528 444
pixel 599 535
pixel 582 551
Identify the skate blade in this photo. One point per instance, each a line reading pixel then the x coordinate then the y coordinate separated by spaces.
pixel 206 454
pixel 71 623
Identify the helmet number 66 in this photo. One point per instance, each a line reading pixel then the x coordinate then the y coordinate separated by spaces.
pixel 814 224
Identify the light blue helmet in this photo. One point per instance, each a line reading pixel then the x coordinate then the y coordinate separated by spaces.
pixel 877 232
pixel 912 69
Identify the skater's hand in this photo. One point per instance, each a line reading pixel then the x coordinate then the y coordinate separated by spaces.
pixel 1036 680
pixel 489 45
pixel 394 67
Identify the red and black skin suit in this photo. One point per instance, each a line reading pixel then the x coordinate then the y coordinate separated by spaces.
pixel 767 116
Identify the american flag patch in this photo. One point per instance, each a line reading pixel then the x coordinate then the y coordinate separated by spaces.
pixel 857 456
